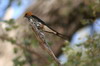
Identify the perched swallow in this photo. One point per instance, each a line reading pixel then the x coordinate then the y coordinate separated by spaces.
pixel 41 25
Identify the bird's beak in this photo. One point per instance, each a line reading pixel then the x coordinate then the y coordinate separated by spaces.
pixel 24 15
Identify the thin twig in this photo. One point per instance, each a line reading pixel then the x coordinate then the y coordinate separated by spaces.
pixel 41 38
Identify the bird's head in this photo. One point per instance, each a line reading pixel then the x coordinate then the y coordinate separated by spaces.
pixel 28 14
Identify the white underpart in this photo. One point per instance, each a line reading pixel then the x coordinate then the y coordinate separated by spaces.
pixel 31 20
pixel 38 24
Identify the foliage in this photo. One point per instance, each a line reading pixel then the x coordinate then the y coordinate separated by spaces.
pixel 84 54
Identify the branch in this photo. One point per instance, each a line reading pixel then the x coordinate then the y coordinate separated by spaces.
pixel 41 38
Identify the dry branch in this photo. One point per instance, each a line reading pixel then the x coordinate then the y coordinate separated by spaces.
pixel 41 38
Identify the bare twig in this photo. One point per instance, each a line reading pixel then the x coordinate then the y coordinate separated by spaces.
pixel 41 38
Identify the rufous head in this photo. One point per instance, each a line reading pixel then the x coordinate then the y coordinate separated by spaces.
pixel 28 14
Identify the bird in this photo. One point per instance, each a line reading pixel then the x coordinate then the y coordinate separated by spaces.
pixel 41 25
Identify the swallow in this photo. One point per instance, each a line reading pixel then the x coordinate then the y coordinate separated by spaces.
pixel 41 25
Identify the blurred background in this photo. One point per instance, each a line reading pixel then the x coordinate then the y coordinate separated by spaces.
pixel 78 20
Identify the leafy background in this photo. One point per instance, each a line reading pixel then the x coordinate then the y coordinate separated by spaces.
pixel 77 19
